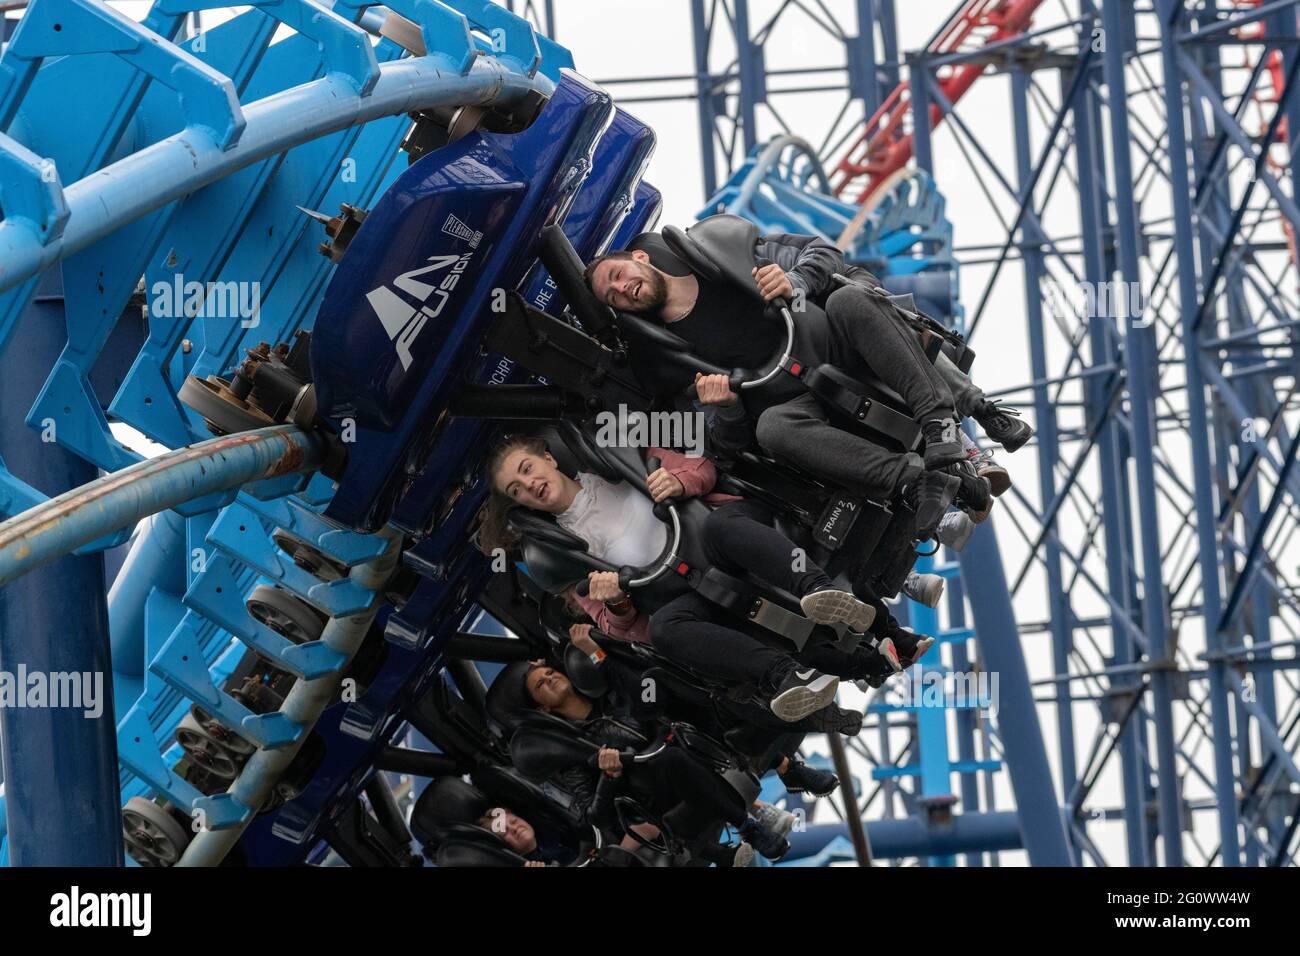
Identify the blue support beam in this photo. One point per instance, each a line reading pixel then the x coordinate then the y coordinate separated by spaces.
pixel 1048 448
pixel 1199 432
pixel 1026 757
pixel 1139 338
pixel 915 836
pixel 59 762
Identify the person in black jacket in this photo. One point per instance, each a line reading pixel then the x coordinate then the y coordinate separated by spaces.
pixel 868 339
pixel 688 794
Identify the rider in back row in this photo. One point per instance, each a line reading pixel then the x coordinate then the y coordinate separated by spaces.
pixel 868 338
pixel 865 336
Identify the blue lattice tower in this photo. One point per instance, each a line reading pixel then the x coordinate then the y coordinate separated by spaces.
pixel 1138 247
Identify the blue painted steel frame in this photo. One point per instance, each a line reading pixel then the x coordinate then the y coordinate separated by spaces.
pixel 1207 221
pixel 342 79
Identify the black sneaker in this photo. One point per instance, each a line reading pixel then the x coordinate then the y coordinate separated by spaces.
pixel 929 496
pixel 801 778
pixel 911 647
pixel 773 846
pixel 834 720
pixel 869 662
pixel 942 443
pixel 800 692
pixel 1003 425
pixel 976 492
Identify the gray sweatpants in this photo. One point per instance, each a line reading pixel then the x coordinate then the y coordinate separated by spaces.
pixel 869 340
pixel 965 393
pixel 800 432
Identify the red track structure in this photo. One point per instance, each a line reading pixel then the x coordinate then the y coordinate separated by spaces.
pixel 1269 95
pixel 884 145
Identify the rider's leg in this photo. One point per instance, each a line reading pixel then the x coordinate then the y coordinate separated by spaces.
pixel 911 647
pixel 967 396
pixel 740 535
pixel 694 632
pixel 999 423
pixel 823 652
pixel 696 794
pixel 687 630
pixel 798 431
pixel 871 339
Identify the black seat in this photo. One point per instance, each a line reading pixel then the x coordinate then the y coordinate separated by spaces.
pixel 472 846
pixel 507 700
pixel 547 811
pixel 720 248
pixel 544 746
pixel 507 787
pixel 585 676
pixel 445 802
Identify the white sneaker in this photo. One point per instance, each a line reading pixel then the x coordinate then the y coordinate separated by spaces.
pixel 802 693
pixel 924 589
pixel 745 856
pixel 833 606
pixel 954 530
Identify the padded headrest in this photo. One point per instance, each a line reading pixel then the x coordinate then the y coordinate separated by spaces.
pixel 507 699
pixel 589 456
pixel 555 559
pixel 587 678
pixel 555 568
pixel 553 615
pixel 565 267
pixel 572 449
pixel 470 850
pixel 540 750
pixel 720 248
pixel 507 787
pixel 661 256
pixel 555 443
pixel 446 801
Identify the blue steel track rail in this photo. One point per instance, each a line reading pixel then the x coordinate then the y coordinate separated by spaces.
pixel 185 159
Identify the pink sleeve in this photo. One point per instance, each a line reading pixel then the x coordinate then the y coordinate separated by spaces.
pixel 629 625
pixel 697 475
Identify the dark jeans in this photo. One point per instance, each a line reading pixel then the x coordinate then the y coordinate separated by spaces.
pixel 687 793
pixel 739 535
pixel 870 339
pixel 701 635
pixel 823 652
